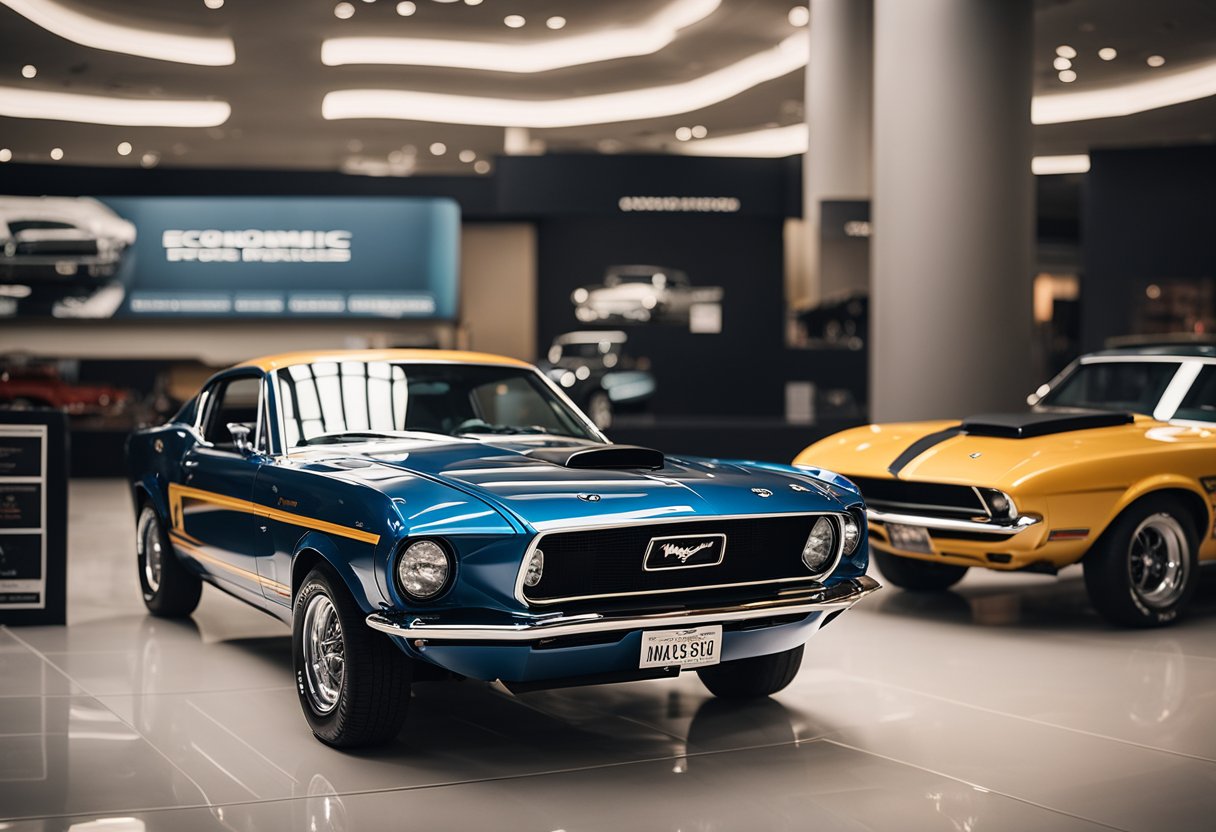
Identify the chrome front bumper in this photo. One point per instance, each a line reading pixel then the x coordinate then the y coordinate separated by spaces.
pixel 839 597
pixel 1014 526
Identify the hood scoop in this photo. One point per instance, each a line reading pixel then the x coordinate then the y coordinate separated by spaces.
pixel 623 457
pixel 1042 423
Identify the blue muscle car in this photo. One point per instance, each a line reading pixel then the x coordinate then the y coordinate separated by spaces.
pixel 416 514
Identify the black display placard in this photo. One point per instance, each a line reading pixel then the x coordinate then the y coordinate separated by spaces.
pixel 33 516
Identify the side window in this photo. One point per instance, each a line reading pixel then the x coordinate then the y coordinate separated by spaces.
pixel 232 401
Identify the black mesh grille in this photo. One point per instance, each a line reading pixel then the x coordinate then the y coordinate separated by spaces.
pixel 609 561
pixel 928 498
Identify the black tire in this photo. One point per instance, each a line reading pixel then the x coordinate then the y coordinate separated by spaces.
pixel 754 677
pixel 1120 572
pixel 169 588
pixel 917 575
pixel 371 697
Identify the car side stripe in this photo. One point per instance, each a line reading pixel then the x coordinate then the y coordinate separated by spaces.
pixel 179 492
pixel 198 554
pixel 920 446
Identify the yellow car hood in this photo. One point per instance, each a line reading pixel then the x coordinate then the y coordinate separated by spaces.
pixel 998 462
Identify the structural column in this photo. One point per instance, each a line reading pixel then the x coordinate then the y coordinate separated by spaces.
pixel 951 320
pixel 839 85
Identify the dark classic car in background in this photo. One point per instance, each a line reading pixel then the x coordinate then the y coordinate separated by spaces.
pixel 418 514
pixel 595 371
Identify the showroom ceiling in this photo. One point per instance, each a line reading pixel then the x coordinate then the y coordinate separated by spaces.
pixel 383 87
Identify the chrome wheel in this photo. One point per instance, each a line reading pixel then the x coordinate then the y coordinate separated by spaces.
pixel 152 552
pixel 1158 559
pixel 324 655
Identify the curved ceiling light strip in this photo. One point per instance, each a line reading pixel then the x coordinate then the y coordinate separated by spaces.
pixel 201 50
pixel 101 109
pixel 645 38
pixel 1126 99
pixel 652 102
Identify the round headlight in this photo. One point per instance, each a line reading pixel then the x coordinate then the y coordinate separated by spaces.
pixel 536 568
pixel 423 569
pixel 852 534
pixel 820 545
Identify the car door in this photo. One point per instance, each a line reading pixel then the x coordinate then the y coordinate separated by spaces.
pixel 213 509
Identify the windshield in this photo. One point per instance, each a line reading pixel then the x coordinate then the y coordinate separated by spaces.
pixel 1113 385
pixel 329 402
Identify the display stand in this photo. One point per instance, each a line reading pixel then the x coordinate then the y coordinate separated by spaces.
pixel 33 516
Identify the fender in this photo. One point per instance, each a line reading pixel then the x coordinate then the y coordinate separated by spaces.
pixel 354 563
pixel 1161 482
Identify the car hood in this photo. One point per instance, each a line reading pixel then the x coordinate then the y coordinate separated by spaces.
pixel 544 495
pixel 948 456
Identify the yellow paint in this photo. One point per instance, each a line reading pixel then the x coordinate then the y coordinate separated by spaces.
pixel 177 493
pixel 1075 479
pixel 289 359
pixel 198 554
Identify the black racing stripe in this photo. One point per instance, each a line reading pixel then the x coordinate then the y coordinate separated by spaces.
pixel 920 446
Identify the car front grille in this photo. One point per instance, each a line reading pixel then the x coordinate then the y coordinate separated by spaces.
pixel 929 499
pixel 608 562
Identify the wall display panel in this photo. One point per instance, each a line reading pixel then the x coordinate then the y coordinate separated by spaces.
pixel 251 257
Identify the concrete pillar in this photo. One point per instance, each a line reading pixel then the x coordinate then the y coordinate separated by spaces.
pixel 951 319
pixel 839 85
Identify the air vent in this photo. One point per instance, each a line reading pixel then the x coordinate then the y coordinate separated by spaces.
pixel 605 456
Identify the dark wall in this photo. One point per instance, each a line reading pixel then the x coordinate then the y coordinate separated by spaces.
pixel 728 374
pixel 1148 215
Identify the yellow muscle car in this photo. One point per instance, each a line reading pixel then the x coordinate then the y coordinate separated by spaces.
pixel 1113 466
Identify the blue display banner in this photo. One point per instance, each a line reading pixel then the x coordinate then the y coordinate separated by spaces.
pixel 323 257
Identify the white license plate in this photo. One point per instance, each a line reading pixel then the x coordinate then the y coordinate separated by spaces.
pixel 910 538
pixel 692 647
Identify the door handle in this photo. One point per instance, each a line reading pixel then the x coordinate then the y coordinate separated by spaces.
pixel 190 463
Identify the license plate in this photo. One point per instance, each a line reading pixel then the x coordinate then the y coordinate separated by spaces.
pixel 693 647
pixel 909 538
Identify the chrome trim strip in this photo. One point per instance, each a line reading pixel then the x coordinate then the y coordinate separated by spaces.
pixel 842 596
pixel 523 567
pixel 1022 522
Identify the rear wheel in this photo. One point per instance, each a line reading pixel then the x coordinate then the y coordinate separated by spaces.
pixel 918 575
pixel 170 589
pixel 754 677
pixel 1142 572
pixel 353 683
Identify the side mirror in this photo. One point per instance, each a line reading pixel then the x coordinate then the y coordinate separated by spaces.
pixel 241 436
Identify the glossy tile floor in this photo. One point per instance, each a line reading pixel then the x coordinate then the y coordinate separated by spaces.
pixel 1006 705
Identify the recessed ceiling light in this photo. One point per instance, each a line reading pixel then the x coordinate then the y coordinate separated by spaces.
pixel 683 133
pixel 1062 63
pixel 1055 165
pixel 645 37
pixel 514 21
pixel 150 159
pixel 699 131
pixel 5 154
pixel 482 166
pixel 556 22
pixel 80 28
pixel 406 9
pixel 1066 51
pixel 472 2
pixel 1155 60
pixel 438 148
pixel 124 148
pixel 445 1
pixel 1068 76
pixel 626 105
pixel 1107 53
pixel 799 16
pixel 467 156
pixel 344 11
pixel 56 153
pixel 18 102
pixel 214 4
pixel 29 71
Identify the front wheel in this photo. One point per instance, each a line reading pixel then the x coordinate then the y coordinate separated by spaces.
pixel 918 575
pixel 353 683
pixel 1143 571
pixel 170 590
pixel 754 677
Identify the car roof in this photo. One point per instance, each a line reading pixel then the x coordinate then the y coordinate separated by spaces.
pixel 415 356
pixel 1177 350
